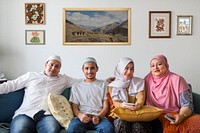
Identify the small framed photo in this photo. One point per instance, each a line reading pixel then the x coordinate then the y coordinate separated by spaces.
pixel 184 25
pixel 159 24
pixel 35 37
pixel 35 13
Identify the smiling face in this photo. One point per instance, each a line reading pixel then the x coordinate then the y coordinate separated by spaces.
pixel 128 71
pixel 52 68
pixel 158 68
pixel 90 69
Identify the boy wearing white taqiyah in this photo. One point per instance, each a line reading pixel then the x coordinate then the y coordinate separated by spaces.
pixel 89 102
pixel 30 117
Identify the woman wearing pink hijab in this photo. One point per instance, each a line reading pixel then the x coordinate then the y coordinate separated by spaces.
pixel 167 90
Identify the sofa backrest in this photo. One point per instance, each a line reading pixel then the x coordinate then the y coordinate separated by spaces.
pixel 196 102
pixel 67 93
pixel 12 101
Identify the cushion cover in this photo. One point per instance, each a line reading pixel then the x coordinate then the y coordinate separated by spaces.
pixel 60 109
pixel 189 125
pixel 146 113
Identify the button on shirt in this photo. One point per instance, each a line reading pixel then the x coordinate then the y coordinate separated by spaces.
pixel 37 87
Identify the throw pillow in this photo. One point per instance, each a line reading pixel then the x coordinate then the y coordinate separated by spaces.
pixel 60 109
pixel 189 125
pixel 146 113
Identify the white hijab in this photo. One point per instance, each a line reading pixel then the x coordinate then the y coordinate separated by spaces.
pixel 120 84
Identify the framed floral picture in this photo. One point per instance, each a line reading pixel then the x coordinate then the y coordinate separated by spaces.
pixel 35 37
pixel 184 25
pixel 96 26
pixel 35 13
pixel 159 24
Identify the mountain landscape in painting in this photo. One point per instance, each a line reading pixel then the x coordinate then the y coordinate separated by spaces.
pixel 114 32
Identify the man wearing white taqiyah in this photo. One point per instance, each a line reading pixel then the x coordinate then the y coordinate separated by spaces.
pixel 31 115
pixel 89 102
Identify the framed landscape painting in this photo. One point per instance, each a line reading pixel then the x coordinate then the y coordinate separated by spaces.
pixel 94 26
pixel 159 24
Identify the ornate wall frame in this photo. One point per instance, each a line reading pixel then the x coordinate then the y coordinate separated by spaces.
pixel 184 25
pixel 96 26
pixel 35 37
pixel 35 13
pixel 159 24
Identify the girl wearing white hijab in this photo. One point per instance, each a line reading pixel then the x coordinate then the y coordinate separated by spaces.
pixel 125 91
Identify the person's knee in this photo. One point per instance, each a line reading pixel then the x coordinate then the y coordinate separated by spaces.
pixel 105 129
pixel 108 129
pixel 22 123
pixel 48 124
pixel 105 126
pixel 76 126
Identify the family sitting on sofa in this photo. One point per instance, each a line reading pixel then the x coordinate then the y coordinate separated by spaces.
pixel 161 89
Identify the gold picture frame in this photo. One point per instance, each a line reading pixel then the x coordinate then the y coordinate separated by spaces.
pixel 159 24
pixel 96 26
pixel 184 25
pixel 35 13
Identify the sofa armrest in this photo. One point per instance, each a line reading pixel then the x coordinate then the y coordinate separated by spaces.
pixel 196 102
pixel 9 104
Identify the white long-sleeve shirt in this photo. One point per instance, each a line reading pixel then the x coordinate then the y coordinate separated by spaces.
pixel 37 87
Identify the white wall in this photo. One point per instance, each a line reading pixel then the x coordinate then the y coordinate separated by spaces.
pixel 16 58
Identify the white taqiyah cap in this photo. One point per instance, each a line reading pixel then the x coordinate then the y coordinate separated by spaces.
pixel 90 59
pixel 54 57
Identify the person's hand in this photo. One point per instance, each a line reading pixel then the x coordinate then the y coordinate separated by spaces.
pixel 84 118
pixel 128 106
pixel 124 105
pixel 95 120
pixel 178 119
pixel 135 107
pixel 110 79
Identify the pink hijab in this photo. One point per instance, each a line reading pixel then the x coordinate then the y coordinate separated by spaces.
pixel 164 91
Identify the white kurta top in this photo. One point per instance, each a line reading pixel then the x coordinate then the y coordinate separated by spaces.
pixel 120 94
pixel 89 96
pixel 37 87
